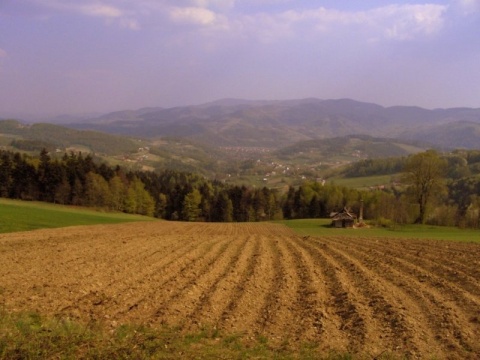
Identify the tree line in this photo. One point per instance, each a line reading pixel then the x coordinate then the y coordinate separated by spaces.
pixel 75 179
pixel 426 195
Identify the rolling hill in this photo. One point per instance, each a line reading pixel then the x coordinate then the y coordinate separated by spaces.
pixel 253 141
pixel 56 136
pixel 359 146
pixel 308 158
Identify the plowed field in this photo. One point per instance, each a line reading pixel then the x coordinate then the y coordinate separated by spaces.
pixel 415 298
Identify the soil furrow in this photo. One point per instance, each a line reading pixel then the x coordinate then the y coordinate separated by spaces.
pixel 226 265
pixel 277 285
pixel 391 307
pixel 112 293
pixel 457 267
pixel 176 307
pixel 161 286
pixel 246 315
pixel 467 301
pixel 283 323
pixel 308 299
pixel 345 304
pixel 216 306
pixel 442 316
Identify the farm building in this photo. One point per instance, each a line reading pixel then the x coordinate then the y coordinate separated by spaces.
pixel 343 219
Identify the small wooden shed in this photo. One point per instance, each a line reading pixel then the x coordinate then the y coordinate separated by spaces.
pixel 343 219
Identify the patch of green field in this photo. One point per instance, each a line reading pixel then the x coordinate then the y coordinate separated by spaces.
pixel 411 149
pixel 321 227
pixel 364 182
pixel 24 216
pixel 31 336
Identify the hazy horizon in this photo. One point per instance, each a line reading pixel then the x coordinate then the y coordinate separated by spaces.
pixel 62 117
pixel 97 56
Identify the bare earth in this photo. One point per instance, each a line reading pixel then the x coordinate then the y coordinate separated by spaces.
pixel 414 298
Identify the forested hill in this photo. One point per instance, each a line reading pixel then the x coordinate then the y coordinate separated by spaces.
pixel 305 159
pixel 275 124
pixel 78 180
pixel 36 136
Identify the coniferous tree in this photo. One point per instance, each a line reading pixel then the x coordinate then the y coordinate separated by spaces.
pixel 289 203
pixel 24 179
pixel 6 169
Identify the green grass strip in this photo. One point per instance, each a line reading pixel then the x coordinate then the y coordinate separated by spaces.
pixel 321 227
pixel 24 216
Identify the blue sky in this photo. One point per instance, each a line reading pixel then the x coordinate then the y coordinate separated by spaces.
pixel 78 56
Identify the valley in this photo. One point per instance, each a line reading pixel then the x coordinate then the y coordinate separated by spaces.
pixel 221 139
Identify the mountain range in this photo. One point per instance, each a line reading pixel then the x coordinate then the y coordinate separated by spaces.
pixel 276 124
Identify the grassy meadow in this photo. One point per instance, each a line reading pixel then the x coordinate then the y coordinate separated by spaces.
pixel 24 216
pixel 364 182
pixel 321 227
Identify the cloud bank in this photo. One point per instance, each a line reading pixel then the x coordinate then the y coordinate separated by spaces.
pixel 111 54
pixel 390 22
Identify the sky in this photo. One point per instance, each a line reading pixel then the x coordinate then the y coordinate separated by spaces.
pixel 85 56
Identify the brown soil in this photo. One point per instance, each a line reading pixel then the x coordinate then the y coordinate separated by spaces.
pixel 415 298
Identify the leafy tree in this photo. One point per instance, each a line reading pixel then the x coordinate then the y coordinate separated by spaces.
pixel 97 191
pixel 77 192
pixel 117 193
pixel 424 173
pixel 463 191
pixel 138 200
pixel 191 205
pixel 334 200
pixel 472 214
pixel 145 202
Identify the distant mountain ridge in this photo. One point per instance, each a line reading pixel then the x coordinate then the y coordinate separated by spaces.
pixel 279 123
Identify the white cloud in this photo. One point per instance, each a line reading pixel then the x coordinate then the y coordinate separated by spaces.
pixel 131 24
pixel 405 22
pixel 216 4
pixel 3 53
pixel 131 14
pixel 468 6
pixel 100 10
pixel 193 15
pixel 394 22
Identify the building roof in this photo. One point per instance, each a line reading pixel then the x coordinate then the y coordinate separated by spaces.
pixel 342 215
